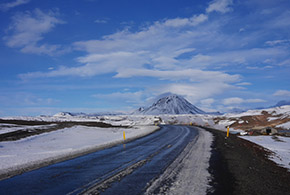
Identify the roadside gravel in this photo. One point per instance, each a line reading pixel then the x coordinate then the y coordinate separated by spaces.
pixel 241 167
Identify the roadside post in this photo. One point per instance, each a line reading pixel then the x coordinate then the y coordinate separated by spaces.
pixel 228 131
pixel 124 136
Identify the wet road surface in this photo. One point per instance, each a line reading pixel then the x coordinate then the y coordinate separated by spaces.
pixel 123 169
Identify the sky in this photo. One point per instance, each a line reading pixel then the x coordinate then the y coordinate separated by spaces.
pixel 117 55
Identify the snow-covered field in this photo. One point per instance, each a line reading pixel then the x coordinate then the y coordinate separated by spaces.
pixel 279 145
pixel 61 144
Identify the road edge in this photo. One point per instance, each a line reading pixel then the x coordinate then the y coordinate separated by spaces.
pixel 176 177
pixel 245 168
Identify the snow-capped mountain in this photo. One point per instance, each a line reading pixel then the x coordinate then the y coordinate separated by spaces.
pixel 172 104
pixel 282 103
pixel 67 114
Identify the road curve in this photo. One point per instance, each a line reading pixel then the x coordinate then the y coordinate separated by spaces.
pixel 123 169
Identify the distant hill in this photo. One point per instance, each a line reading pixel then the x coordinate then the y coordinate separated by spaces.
pixel 282 103
pixel 171 104
pixel 81 114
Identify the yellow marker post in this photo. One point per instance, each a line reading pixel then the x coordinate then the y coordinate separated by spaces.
pixel 124 136
pixel 228 131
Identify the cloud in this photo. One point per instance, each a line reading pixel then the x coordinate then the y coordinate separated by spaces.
pixel 221 6
pixel 207 102
pixel 193 75
pixel 134 98
pixel 284 93
pixel 278 42
pixel 237 100
pixel 25 99
pixel 285 63
pixel 27 30
pixel 281 21
pixel 244 83
pixel 190 53
pixel 101 21
pixel 195 92
pixel 193 21
pixel 7 6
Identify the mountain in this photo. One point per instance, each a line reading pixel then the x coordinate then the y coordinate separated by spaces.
pixel 282 103
pixel 236 110
pixel 171 104
pixel 81 114
pixel 68 114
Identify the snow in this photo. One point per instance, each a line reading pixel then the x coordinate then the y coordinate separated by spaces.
pixel 172 104
pixel 279 145
pixel 196 180
pixel 78 139
pixel 272 118
pixel 285 110
pixel 35 150
pixel 285 125
pixel 189 169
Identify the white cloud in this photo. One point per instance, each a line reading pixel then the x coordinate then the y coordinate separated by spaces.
pixel 207 102
pixel 234 100
pixel 284 93
pixel 277 42
pixel 244 83
pixel 282 21
pixel 193 21
pixel 25 99
pixel 134 98
pixel 101 21
pixel 27 29
pixel 237 100
pixel 155 50
pixel 193 75
pixel 219 6
pixel 7 6
pixel 195 92
pixel 285 63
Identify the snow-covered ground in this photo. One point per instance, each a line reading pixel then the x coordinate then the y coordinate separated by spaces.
pixel 62 144
pixel 285 110
pixel 78 139
pixel 279 145
pixel 285 125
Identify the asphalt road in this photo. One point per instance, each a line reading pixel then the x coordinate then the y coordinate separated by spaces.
pixel 123 169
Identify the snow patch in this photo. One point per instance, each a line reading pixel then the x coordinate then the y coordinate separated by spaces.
pixel 285 125
pixel 72 141
pixel 281 148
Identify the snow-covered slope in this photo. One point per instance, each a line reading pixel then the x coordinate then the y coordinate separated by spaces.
pixel 172 104
pixel 278 117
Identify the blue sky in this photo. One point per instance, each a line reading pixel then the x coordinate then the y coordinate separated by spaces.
pixel 116 55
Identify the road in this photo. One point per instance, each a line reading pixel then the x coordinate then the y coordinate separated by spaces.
pixel 123 169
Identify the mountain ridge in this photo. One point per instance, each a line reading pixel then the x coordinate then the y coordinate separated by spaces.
pixel 171 104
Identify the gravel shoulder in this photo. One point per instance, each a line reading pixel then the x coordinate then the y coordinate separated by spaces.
pixel 188 173
pixel 241 167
